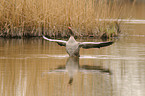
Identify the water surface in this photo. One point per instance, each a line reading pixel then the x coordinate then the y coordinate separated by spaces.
pixel 34 67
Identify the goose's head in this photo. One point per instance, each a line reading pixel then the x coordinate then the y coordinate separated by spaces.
pixel 70 31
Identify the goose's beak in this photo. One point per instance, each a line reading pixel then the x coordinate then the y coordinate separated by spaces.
pixel 69 27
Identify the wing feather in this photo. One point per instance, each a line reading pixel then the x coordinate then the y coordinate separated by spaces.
pixel 87 45
pixel 59 42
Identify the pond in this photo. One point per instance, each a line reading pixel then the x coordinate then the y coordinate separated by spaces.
pixel 35 67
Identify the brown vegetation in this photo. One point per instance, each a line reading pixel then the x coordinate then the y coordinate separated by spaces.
pixel 19 18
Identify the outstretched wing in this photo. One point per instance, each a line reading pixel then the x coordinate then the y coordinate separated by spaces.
pixel 87 45
pixel 59 42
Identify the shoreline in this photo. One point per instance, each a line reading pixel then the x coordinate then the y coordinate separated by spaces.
pixel 105 30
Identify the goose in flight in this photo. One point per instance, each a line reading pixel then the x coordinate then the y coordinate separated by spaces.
pixel 73 47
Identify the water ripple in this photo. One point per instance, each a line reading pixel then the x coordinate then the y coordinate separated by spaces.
pixel 131 21
pixel 110 57
pixel 43 56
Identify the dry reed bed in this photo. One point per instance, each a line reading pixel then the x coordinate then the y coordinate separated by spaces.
pixel 20 18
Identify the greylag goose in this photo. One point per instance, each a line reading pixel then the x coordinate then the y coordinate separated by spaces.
pixel 73 47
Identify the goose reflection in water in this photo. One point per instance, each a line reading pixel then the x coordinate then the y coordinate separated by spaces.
pixel 72 67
